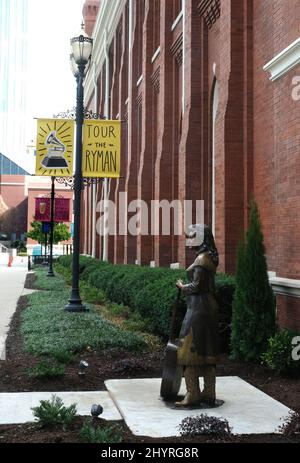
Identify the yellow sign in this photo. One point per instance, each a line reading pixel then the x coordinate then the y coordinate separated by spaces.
pixel 54 147
pixel 101 148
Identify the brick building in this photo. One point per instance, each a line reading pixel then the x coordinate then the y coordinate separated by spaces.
pixel 39 187
pixel 13 201
pixel 207 92
pixel 18 191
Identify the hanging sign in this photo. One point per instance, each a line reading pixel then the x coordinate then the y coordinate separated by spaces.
pixel 42 209
pixel 46 227
pixel 54 147
pixel 62 210
pixel 101 148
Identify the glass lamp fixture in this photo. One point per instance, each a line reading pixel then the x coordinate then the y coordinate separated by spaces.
pixel 82 46
pixel 74 67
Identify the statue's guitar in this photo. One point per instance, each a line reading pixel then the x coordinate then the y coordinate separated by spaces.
pixel 172 372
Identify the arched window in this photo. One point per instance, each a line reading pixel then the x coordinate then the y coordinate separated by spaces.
pixel 215 102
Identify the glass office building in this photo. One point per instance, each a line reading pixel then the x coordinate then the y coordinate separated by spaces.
pixel 13 77
pixel 8 167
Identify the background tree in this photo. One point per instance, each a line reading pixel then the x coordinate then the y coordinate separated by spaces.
pixel 60 233
pixel 253 311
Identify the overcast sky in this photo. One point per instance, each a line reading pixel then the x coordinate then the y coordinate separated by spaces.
pixel 52 87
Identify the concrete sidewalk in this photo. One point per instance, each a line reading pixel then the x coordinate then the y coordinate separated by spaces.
pixel 16 407
pixel 247 409
pixel 12 281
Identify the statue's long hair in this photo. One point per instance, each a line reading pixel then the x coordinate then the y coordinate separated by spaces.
pixel 209 246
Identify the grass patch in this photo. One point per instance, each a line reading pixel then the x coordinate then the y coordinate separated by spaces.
pixel 48 330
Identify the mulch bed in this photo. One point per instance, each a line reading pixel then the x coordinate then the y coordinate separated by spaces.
pixel 110 365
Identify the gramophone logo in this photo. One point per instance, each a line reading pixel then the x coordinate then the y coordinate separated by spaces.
pixel 54 152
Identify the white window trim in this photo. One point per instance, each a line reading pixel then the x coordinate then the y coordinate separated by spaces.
pixel 286 60
pixel 177 20
pixel 156 54
pixel 139 80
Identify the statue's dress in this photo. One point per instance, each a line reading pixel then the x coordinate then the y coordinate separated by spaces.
pixel 199 338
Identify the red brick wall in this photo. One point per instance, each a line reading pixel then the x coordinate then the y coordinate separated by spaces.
pixel 167 148
pixel 288 312
pixel 277 138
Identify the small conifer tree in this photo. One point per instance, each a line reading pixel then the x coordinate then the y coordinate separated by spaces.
pixel 253 311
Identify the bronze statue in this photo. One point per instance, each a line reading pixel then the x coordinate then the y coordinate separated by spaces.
pixel 198 345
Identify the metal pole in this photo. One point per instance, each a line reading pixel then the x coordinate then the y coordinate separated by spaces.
pixel 46 239
pixel 75 302
pixel 50 268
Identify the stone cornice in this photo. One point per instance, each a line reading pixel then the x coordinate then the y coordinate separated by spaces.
pixel 285 286
pixel 284 61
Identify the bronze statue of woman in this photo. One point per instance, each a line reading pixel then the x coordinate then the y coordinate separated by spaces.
pixel 198 346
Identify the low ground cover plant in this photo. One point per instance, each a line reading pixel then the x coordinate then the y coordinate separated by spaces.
pixel 48 330
pixel 96 433
pixel 46 369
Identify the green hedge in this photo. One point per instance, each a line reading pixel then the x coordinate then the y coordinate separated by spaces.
pixel 150 291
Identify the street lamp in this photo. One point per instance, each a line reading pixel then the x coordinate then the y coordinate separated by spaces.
pixel 81 54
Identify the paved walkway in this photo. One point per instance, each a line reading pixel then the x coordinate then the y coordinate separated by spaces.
pixel 16 407
pixel 247 409
pixel 12 281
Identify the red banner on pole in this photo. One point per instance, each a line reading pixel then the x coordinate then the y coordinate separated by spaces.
pixel 61 209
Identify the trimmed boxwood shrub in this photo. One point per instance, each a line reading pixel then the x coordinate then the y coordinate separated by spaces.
pixel 150 292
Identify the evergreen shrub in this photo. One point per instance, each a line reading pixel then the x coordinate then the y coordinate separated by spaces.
pixel 150 292
pixel 253 318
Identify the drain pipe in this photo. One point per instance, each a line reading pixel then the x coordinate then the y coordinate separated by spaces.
pixel 105 183
pixel 94 186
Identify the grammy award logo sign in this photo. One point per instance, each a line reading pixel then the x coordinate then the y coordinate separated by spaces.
pixel 54 147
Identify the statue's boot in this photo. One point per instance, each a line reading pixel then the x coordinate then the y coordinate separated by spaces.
pixel 208 394
pixel 193 394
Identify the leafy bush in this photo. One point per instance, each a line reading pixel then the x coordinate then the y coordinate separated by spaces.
pixel 278 356
pixel 204 424
pixel 20 246
pixel 253 319
pixel 53 413
pixel 150 292
pixel 46 369
pixel 91 294
pixel 99 434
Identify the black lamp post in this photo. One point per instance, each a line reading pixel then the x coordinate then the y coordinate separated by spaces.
pixel 82 49
pixel 50 268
